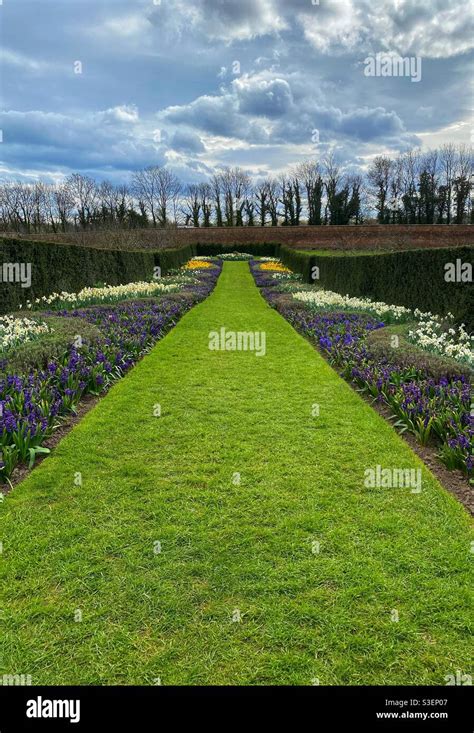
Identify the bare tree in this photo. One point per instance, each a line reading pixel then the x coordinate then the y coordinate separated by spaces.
pixel 107 196
pixel 396 190
pixel 205 195
pixel 84 192
pixel 290 198
pixel 332 182
pixel 410 169
pixel 242 190
pixel 379 177
pixel 414 187
pixel 64 204
pixel 192 204
pixel 428 187
pixel 309 173
pixel 448 164
pixel 462 183
pixel 273 201
pixel 145 188
pixel 217 192
pixel 123 205
pixel 262 201
pixel 169 189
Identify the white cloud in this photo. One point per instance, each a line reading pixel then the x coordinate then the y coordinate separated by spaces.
pixel 428 28
pixel 126 26
pixel 172 67
pixel 335 27
pixel 123 113
pixel 13 58
pixel 218 20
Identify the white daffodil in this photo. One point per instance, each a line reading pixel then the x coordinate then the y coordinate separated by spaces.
pixel 326 299
pixel 113 293
pixel 16 331
pixel 453 342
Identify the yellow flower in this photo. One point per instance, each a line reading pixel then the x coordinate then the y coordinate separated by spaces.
pixel 197 265
pixel 274 267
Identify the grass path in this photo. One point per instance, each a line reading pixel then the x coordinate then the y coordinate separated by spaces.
pixel 230 549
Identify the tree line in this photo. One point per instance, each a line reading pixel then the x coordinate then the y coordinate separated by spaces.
pixel 413 188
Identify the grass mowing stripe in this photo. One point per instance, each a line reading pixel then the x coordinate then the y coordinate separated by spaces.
pixel 178 572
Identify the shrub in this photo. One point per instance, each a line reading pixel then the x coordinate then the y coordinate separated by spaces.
pixel 56 267
pixel 415 278
pixel 170 259
pixel 297 261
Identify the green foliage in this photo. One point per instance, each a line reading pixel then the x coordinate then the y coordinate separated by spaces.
pixel 170 259
pixel 413 278
pixel 56 267
pixel 297 261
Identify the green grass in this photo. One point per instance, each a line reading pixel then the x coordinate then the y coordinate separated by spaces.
pixel 227 547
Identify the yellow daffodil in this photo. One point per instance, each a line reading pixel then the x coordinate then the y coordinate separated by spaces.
pixel 274 267
pixel 198 265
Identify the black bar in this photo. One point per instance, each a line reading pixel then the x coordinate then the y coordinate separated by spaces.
pixel 318 708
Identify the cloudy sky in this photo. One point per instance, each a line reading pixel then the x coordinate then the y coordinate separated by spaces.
pixel 108 86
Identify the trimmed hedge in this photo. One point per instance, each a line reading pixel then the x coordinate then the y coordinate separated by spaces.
pixel 170 259
pixel 56 267
pixel 414 278
pixel 296 261
pixel 257 249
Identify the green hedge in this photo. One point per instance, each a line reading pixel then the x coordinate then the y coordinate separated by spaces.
pixel 169 259
pixel 56 267
pixel 413 278
pixel 263 249
pixel 296 261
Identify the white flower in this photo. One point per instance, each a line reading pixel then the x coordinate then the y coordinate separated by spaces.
pixel 234 256
pixel 431 332
pixel 327 299
pixel 113 293
pixel 16 331
pixel 454 343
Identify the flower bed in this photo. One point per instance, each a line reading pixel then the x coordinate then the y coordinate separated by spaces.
pixel 235 256
pixel 287 277
pixel 435 411
pixel 328 300
pixel 16 331
pixel 199 264
pixel 441 336
pixel 31 405
pixel 105 294
pixel 274 266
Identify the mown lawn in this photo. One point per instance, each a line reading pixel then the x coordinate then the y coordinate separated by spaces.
pixel 182 574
